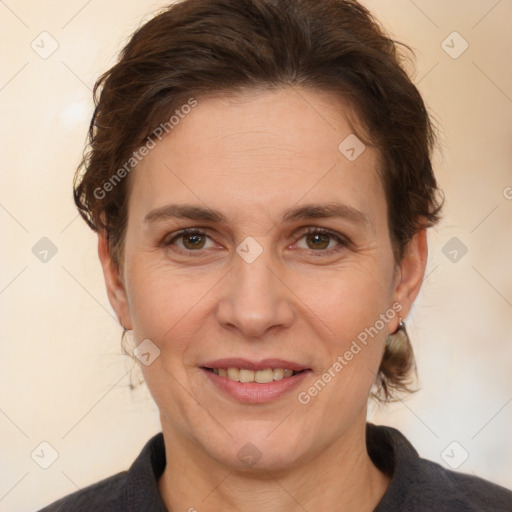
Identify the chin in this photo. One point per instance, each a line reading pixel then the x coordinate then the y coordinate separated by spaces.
pixel 252 448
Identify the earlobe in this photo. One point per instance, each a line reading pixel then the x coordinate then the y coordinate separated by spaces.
pixel 115 287
pixel 411 272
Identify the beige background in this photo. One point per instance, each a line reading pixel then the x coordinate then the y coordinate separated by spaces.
pixel 62 378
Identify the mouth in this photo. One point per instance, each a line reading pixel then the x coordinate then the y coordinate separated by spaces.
pixel 254 382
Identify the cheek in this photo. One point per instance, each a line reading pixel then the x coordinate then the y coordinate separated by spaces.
pixel 348 311
pixel 167 309
pixel 167 305
pixel 349 298
pixel 348 321
pixel 174 309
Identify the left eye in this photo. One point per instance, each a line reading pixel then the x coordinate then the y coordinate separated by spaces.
pixel 321 240
pixel 317 240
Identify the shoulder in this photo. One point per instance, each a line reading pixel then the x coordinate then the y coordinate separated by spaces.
pixel 132 490
pixel 105 495
pixel 459 491
pixel 420 485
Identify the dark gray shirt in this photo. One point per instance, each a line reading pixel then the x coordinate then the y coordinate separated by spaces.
pixel 417 485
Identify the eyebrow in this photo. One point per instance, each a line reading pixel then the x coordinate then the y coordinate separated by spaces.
pixel 308 211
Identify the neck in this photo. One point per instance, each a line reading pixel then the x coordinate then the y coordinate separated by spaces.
pixel 340 477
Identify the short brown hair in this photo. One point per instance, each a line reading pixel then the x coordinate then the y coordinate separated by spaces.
pixel 198 47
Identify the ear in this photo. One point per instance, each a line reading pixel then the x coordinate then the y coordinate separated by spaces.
pixel 115 287
pixel 410 275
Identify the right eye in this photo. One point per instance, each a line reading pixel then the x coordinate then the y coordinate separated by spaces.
pixel 189 240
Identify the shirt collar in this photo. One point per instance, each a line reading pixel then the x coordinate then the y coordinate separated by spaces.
pixel 141 489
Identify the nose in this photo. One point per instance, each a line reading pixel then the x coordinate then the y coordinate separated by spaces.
pixel 254 298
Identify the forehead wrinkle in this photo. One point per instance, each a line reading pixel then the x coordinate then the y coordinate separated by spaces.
pixel 256 146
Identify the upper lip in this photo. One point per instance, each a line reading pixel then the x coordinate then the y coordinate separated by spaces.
pixel 237 362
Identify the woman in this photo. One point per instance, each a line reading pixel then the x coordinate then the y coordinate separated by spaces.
pixel 259 177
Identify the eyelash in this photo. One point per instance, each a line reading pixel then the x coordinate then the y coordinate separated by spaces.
pixel 342 241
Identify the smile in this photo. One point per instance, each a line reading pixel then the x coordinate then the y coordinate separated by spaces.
pixel 254 382
pixel 260 376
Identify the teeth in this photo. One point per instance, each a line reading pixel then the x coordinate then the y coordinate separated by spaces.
pixel 260 376
pixel 264 376
pixel 233 374
pixel 278 373
pixel 246 376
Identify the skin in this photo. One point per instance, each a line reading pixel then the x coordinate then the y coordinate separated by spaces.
pixel 252 157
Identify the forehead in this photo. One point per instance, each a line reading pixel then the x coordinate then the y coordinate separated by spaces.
pixel 259 151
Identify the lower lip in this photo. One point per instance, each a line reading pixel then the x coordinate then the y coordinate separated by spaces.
pixel 254 392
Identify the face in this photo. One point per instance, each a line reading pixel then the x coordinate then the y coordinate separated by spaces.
pixel 286 265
